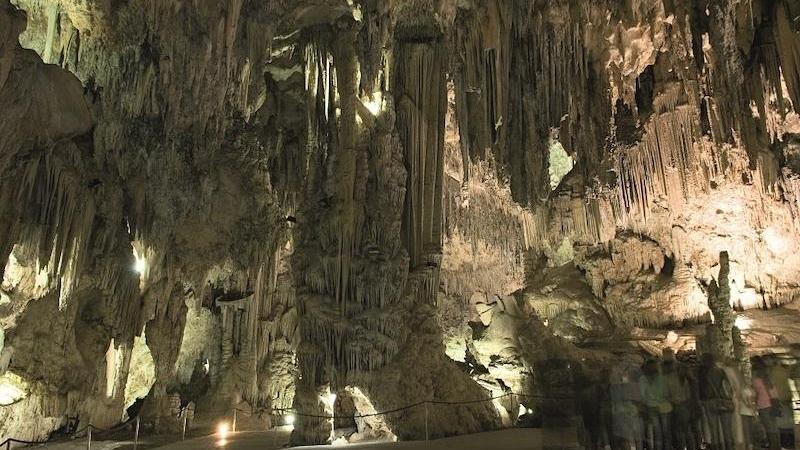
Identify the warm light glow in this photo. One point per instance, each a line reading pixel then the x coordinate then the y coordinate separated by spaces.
pixel 222 430
pixel 374 103
pixel 742 323
pixel 111 369
pixel 139 264
pixel 521 411
pixel 329 399
pixel 288 419
pixel 342 441
pixel 775 240
pixel 206 366
pixel 12 389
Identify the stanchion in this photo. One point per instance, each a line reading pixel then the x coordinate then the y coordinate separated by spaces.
pixel 89 440
pixel 8 445
pixel 427 437
pixel 136 434
pixel 183 433
pixel 233 428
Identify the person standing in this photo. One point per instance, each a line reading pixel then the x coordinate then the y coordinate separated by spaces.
pixel 658 407
pixel 625 397
pixel 785 421
pixel 678 394
pixel 767 407
pixel 716 395
pixel 744 409
pixel 589 396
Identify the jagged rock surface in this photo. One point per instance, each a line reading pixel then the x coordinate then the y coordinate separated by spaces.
pixel 257 204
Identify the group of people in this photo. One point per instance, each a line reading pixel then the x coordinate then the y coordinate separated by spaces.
pixel 666 404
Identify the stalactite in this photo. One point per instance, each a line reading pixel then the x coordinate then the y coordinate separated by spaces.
pixel 421 92
pixel 788 47
pixel 665 168
pixel 732 107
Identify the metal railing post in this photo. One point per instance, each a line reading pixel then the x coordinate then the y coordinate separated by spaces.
pixel 8 444
pixel 136 434
pixel 89 440
pixel 427 436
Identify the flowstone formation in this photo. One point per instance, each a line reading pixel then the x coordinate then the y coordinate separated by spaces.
pixel 346 207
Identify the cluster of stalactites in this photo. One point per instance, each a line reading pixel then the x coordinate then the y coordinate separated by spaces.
pixel 162 62
pixel 694 131
pixel 420 87
pixel 352 276
pixel 518 77
pixel 55 220
pixel 664 168
pixel 262 324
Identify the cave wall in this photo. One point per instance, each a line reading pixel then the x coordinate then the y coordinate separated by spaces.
pixel 288 199
pixel 681 133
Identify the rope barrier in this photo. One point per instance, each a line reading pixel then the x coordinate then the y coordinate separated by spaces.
pixel 88 429
pixel 74 435
pixel 404 408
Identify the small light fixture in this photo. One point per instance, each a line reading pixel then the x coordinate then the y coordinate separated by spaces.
pixel 288 419
pixel 222 430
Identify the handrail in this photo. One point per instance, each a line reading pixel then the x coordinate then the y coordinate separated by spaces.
pixel 74 435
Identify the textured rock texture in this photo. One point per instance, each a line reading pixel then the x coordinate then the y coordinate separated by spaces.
pixel 259 204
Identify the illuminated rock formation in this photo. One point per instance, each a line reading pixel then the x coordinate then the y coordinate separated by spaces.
pixel 266 205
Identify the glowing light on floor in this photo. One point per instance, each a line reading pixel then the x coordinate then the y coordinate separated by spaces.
pixel 222 433
pixel 742 323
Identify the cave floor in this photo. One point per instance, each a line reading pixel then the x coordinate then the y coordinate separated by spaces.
pixel 514 439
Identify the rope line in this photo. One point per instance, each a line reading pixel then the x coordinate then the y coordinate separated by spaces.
pixel 404 408
pixel 7 443
pixel 74 435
